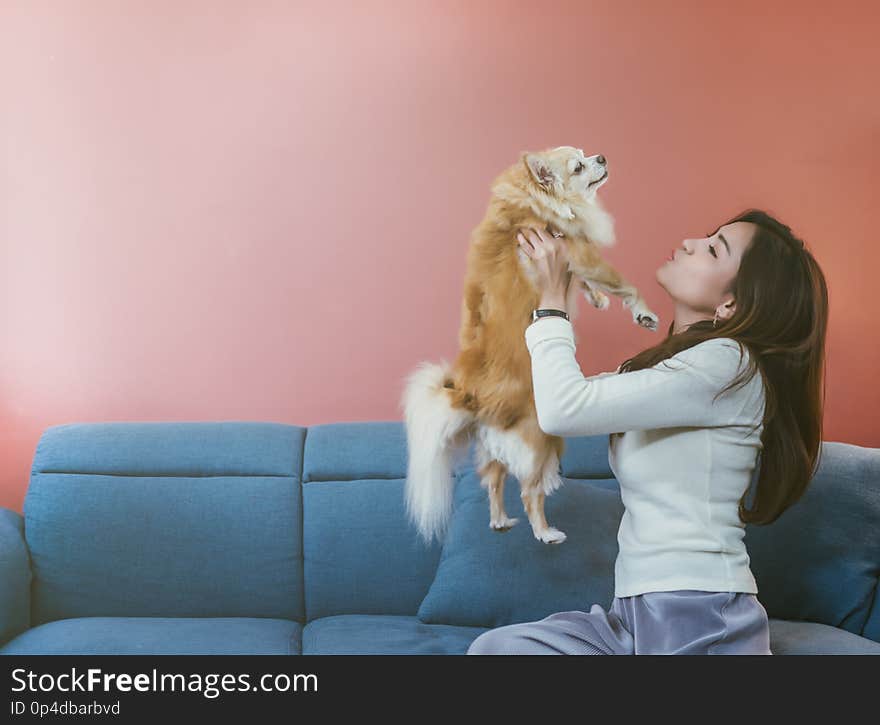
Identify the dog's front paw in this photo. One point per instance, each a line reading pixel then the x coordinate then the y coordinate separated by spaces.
pixel 644 317
pixel 551 535
pixel 649 320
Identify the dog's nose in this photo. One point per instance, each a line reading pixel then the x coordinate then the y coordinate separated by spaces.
pixel 600 160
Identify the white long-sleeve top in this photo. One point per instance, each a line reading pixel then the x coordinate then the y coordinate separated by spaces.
pixel 682 460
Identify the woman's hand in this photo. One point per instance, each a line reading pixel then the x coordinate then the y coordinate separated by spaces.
pixel 551 266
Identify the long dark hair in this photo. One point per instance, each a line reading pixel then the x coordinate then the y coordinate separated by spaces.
pixel 781 316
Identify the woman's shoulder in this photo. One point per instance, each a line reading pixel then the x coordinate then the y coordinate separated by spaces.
pixel 718 346
pixel 719 358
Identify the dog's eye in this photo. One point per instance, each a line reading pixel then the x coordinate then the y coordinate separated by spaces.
pixel 578 168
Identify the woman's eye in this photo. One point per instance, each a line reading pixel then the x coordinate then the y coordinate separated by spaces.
pixel 578 168
pixel 712 251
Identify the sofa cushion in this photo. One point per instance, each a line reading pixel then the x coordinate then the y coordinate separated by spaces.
pixel 370 634
pixel 159 636
pixel 812 638
pixel 820 560
pixel 166 520
pixel 360 553
pixel 488 578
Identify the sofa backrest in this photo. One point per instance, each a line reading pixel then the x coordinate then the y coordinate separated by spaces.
pixel 820 560
pixel 166 519
pixel 360 554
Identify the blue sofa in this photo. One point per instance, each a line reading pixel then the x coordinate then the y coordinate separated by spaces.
pixel 265 538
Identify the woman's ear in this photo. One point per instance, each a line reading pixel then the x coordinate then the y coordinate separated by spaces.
pixel 725 310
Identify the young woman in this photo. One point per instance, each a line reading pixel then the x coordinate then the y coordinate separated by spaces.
pixel 740 373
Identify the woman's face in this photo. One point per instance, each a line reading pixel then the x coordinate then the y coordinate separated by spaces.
pixel 699 271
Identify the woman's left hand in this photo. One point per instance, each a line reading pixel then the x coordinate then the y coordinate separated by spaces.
pixel 551 264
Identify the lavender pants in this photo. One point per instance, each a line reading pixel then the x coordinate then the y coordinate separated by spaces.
pixel 682 622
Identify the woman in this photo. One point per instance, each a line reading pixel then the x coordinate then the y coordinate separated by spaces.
pixel 739 374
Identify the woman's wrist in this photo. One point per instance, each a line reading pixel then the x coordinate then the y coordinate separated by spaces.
pixel 552 301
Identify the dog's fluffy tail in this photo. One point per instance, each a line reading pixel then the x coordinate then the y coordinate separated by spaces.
pixel 434 432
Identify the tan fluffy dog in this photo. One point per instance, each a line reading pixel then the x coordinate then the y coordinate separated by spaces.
pixel 487 395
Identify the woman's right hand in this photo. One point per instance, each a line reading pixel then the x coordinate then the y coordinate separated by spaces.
pixel 553 276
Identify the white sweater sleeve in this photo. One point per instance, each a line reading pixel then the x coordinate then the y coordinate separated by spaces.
pixel 676 392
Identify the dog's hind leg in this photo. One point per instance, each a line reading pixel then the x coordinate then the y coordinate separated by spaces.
pixel 533 501
pixel 534 490
pixel 533 458
pixel 493 475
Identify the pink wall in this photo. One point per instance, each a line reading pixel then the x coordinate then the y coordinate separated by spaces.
pixel 260 211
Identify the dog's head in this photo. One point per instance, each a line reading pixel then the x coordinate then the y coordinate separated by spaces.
pixel 559 186
pixel 565 172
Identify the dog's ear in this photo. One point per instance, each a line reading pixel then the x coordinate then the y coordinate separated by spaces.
pixel 540 170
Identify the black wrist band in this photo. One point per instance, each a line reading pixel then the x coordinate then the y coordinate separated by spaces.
pixel 536 314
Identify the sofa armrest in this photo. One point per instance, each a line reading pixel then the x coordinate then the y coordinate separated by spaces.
pixel 15 576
